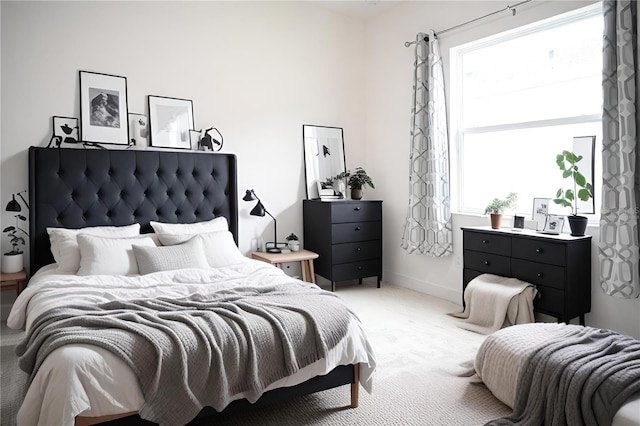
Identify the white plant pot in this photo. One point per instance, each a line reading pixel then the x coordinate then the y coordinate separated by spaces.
pixel 12 263
pixel 294 245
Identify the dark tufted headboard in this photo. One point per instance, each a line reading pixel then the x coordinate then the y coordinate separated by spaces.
pixel 75 188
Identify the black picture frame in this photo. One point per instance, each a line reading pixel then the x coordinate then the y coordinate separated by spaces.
pixel 66 128
pixel 138 130
pixel 103 108
pixel 170 122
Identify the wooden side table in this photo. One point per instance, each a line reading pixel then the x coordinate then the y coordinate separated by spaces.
pixel 305 257
pixel 16 281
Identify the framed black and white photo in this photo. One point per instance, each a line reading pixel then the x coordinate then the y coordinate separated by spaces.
pixel 170 121
pixel 553 224
pixel 103 108
pixel 66 129
pixel 540 212
pixel 138 130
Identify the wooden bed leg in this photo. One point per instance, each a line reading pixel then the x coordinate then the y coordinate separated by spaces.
pixel 355 386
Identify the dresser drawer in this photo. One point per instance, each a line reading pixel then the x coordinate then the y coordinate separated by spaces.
pixel 487 243
pixel 355 212
pixel 365 268
pixel 356 231
pixel 487 262
pixel 351 252
pixel 550 301
pixel 538 273
pixel 539 251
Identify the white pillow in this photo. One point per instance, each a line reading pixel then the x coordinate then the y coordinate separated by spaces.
pixel 109 256
pixel 64 245
pixel 186 255
pixel 219 247
pixel 217 224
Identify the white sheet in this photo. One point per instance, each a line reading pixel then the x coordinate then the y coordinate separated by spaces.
pixel 90 381
pixel 500 359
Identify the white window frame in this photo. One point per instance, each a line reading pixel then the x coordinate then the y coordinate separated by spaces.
pixel 456 132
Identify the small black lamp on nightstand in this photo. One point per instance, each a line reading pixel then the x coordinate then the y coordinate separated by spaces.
pixel 259 210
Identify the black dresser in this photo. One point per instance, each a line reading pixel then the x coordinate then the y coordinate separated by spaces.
pixel 558 265
pixel 347 235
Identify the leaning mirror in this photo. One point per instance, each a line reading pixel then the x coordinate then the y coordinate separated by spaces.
pixel 323 156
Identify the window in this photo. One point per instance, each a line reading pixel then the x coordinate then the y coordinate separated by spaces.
pixel 518 100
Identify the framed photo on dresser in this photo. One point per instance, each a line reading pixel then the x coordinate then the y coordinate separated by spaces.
pixel 103 108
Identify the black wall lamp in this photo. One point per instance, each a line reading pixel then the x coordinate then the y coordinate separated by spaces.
pixel 14 205
pixel 259 210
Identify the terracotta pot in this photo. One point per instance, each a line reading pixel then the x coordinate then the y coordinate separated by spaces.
pixel 495 220
pixel 356 194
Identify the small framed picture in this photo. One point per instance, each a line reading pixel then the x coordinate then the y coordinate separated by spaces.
pixel 518 222
pixel 540 212
pixel 66 128
pixel 103 108
pixel 139 130
pixel 194 138
pixel 553 224
pixel 170 120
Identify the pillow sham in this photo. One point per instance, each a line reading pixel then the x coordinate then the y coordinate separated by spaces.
pixel 64 245
pixel 109 256
pixel 217 224
pixel 189 254
pixel 219 247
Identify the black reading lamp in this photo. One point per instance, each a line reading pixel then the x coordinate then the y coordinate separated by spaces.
pixel 14 205
pixel 259 210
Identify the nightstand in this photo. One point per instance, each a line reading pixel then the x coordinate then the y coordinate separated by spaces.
pixel 16 281
pixel 305 257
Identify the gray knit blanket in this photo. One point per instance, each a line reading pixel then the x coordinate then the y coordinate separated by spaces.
pixel 581 377
pixel 201 350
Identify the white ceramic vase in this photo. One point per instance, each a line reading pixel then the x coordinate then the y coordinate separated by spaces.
pixel 294 245
pixel 12 263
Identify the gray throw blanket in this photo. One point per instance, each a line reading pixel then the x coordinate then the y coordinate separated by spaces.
pixel 202 350
pixel 579 378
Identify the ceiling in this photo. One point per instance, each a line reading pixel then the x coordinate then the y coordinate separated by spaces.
pixel 359 9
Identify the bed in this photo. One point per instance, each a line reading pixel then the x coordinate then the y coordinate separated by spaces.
pixel 562 374
pixel 118 198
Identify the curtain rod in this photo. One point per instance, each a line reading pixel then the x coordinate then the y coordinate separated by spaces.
pixel 511 8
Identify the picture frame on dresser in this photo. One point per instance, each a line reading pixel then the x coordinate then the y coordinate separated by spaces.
pixel 103 108
pixel 540 212
pixel 170 120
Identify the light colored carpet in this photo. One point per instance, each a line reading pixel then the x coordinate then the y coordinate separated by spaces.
pixel 419 351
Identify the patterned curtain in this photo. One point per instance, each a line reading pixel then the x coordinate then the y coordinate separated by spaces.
pixel 619 249
pixel 428 225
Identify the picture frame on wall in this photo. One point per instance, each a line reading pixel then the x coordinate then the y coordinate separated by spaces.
pixel 138 130
pixel 553 224
pixel 103 108
pixel 170 122
pixel 540 212
pixel 66 129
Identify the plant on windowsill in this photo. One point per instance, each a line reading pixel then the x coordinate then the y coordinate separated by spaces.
pixel 357 181
pixel 582 190
pixel 498 205
pixel 293 242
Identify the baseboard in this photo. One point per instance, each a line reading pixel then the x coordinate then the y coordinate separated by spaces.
pixel 401 280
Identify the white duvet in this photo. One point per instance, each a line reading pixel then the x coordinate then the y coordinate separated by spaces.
pixel 84 380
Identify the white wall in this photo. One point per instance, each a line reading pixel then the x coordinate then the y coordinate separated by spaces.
pixel 388 91
pixel 255 70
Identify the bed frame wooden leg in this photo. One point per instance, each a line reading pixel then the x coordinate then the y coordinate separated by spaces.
pixel 355 386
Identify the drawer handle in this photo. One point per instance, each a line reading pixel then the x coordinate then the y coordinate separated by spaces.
pixel 540 275
pixel 487 263
pixel 357 209
pixel 539 250
pixel 357 228
pixel 485 241
pixel 359 249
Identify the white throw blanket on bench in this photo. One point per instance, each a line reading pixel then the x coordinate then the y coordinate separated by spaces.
pixel 493 302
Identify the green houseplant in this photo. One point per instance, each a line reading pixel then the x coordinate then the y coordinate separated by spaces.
pixel 357 181
pixel 582 190
pixel 498 205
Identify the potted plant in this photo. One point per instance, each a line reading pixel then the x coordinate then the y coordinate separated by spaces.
pixel 13 261
pixel 357 181
pixel 497 206
pixel 293 242
pixel 582 190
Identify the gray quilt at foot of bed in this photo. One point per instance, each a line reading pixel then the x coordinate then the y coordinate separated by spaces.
pixel 581 377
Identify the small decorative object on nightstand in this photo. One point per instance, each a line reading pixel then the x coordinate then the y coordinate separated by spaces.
pixel 293 242
pixel 16 281
pixel 305 257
